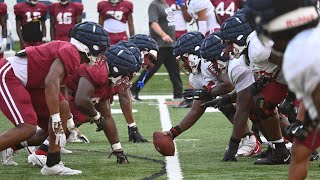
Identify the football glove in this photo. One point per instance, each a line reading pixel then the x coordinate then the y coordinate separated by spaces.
pixel 134 135
pixel 180 2
pixel 219 102
pixel 257 86
pixel 287 105
pixel 230 154
pixel 197 94
pixel 61 138
pixel 99 122
pixel 121 157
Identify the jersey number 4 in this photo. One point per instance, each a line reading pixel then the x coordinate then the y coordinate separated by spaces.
pixel 221 11
pixel 116 14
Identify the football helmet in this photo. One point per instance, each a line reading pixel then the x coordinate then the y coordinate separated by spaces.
pixel 212 49
pixel 148 48
pixel 34 2
pixel 187 52
pixel 235 31
pixel 89 38
pixel 135 51
pixel 64 2
pixel 281 19
pixel 114 1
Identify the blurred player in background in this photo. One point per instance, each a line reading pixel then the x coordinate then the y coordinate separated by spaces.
pixel 63 16
pixel 202 12
pixel 226 8
pixel 113 16
pixel 3 23
pixel 30 22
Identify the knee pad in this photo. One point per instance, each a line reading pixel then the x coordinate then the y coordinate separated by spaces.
pixel 228 110
pixel 265 109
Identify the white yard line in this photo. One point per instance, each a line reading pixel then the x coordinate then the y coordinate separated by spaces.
pixel 160 74
pixel 172 166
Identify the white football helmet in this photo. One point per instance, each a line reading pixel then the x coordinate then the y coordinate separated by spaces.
pixel 34 2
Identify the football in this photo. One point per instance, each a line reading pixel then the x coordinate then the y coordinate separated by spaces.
pixel 163 143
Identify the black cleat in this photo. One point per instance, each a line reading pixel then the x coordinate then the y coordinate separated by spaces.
pixel 279 155
pixel 186 103
pixel 263 154
pixel 314 156
pixel 135 95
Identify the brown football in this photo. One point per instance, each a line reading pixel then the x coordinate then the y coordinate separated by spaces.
pixel 163 143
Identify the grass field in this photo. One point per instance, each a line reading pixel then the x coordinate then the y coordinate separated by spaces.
pixel 200 149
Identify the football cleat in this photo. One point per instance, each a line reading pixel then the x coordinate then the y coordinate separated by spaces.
pixel 65 151
pixel 134 95
pixel 37 160
pixel 249 146
pixel 73 137
pixel 59 169
pixel 263 154
pixel 279 155
pixel 30 149
pixel 7 157
pixel 83 138
pixel 186 103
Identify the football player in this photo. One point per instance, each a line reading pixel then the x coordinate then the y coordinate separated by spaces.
pixel 63 16
pixel 30 22
pixel 203 77
pixel 3 23
pixel 113 16
pixel 46 68
pixel 125 96
pixel 203 12
pixel 91 93
pixel 242 42
pixel 292 27
pixel 226 8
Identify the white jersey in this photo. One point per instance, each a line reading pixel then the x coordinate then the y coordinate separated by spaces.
pixel 20 68
pixel 258 55
pixel 180 23
pixel 205 79
pixel 301 67
pixel 195 6
pixel 240 74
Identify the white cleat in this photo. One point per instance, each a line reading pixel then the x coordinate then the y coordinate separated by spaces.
pixel 73 137
pixel 59 169
pixel 65 151
pixel 37 160
pixel 7 157
pixel 248 146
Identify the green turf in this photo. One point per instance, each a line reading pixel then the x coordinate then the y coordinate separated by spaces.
pixel 200 151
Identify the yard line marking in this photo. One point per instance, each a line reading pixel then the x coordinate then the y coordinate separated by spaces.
pixel 159 74
pixel 172 162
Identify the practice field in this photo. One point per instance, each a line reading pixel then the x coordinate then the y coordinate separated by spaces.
pixel 200 149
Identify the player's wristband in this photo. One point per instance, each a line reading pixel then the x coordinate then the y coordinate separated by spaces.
pixel 56 118
pixel 116 146
pixel 175 131
pixel 96 117
pixel 163 34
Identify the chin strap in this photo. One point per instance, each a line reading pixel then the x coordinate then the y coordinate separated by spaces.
pixel 141 83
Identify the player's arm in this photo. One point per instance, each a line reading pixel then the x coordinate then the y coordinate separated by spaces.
pixel 85 90
pixel 52 85
pixel 224 87
pixel 126 104
pixel 19 28
pixel 3 21
pixel 130 24
pixel 186 16
pixel 101 19
pixel 52 27
pixel 202 21
pixel 44 29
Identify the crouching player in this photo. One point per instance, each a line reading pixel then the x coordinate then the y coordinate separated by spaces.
pixel 45 68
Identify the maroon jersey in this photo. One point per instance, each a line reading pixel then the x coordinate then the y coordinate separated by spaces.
pixel 119 12
pixel 41 57
pixel 30 16
pixel 98 76
pixel 64 18
pixel 225 8
pixel 3 9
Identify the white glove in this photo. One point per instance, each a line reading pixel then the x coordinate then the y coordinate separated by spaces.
pixel 61 138
pixel 44 39
pixel 3 45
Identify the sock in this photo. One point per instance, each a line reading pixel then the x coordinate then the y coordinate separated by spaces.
pixel 53 159
pixel 132 124
pixel 278 141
